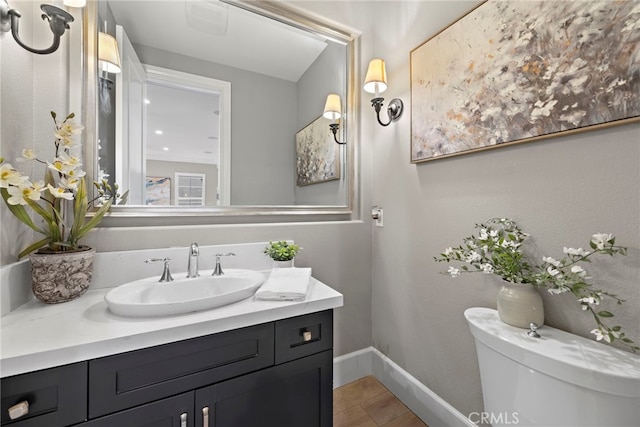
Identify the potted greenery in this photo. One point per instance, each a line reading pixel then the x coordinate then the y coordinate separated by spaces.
pixel 282 253
pixel 497 249
pixel 61 267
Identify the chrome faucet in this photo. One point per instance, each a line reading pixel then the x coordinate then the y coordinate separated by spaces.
pixel 192 266
pixel 218 270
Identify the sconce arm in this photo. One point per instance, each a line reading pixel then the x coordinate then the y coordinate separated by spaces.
pixel 394 110
pixel 334 129
pixel 58 22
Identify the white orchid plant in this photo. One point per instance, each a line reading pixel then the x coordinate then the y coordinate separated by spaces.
pixel 61 198
pixel 497 249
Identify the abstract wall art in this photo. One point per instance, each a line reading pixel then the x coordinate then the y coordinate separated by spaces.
pixel 516 71
pixel 317 155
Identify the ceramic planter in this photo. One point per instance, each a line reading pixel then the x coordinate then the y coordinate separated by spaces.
pixel 61 276
pixel 520 304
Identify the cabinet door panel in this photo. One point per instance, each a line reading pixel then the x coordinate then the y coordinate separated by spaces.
pixel 172 412
pixel 293 394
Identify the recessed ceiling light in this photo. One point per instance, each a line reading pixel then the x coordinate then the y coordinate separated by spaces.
pixel 159 132
pixel 165 148
pixel 146 101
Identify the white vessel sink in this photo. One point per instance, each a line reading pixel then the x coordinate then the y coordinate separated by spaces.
pixel 148 297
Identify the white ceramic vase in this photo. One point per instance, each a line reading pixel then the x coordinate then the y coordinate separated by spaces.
pixel 520 304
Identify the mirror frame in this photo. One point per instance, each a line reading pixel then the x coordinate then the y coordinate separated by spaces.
pixel 178 215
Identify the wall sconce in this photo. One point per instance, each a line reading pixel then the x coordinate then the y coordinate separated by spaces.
pixel 376 82
pixel 333 111
pixel 108 57
pixel 59 21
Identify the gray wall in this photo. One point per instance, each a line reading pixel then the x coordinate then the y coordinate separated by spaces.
pixel 262 158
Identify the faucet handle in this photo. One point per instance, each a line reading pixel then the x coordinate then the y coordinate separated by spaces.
pixel 218 270
pixel 166 274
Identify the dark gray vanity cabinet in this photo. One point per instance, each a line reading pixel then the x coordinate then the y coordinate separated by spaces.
pixel 276 374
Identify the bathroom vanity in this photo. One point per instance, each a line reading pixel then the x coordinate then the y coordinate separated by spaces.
pixel 252 363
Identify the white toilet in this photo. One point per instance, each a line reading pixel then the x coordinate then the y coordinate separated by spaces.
pixel 558 379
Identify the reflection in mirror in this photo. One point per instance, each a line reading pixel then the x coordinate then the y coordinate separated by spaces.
pixel 205 111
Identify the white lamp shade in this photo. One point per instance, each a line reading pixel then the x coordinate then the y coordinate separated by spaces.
pixel 75 3
pixel 376 78
pixel 332 108
pixel 108 55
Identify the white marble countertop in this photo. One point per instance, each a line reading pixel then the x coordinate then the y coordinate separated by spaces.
pixel 37 336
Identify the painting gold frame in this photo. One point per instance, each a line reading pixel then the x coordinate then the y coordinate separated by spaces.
pixel 511 71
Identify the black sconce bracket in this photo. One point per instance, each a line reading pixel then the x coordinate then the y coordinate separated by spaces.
pixel 394 110
pixel 334 129
pixel 58 22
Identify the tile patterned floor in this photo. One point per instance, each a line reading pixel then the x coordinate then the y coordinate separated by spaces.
pixel 367 403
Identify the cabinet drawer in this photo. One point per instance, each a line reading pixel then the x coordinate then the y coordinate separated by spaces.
pixel 56 397
pixel 130 379
pixel 175 411
pixel 303 335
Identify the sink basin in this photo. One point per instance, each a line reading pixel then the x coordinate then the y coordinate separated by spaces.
pixel 148 297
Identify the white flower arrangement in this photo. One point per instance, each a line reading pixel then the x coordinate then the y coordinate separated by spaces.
pixel 497 249
pixel 61 198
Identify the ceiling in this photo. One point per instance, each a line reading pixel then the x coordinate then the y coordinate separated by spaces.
pixel 218 32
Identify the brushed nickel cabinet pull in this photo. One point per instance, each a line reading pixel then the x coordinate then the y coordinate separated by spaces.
pixel 205 416
pixel 183 420
pixel 19 410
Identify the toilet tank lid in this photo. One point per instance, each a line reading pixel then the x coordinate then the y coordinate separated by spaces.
pixel 557 353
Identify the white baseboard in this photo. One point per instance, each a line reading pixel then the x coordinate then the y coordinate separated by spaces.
pixel 422 401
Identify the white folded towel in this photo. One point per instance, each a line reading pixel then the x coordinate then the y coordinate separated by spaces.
pixel 286 284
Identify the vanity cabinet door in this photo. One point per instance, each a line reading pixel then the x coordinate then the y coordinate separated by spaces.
pixel 294 394
pixel 172 412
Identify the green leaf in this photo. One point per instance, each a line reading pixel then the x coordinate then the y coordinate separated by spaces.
pixel 80 207
pixel 605 313
pixel 20 212
pixel 34 247
pixel 95 220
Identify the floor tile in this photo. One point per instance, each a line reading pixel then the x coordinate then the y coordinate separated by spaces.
pixel 408 420
pixel 355 393
pixel 353 417
pixel 384 408
pixel 367 403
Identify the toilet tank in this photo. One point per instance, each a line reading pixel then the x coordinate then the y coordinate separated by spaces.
pixel 559 379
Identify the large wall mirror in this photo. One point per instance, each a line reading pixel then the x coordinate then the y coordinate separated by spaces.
pixel 217 106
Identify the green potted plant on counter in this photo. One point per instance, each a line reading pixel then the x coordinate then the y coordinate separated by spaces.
pixel 282 253
pixel 61 267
